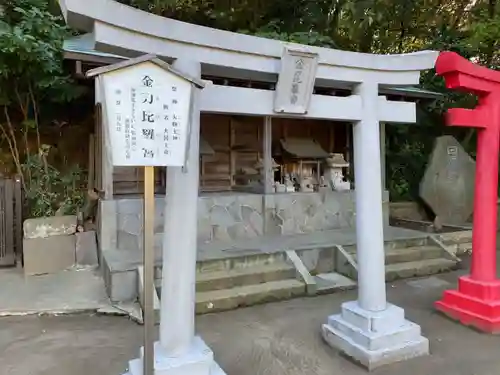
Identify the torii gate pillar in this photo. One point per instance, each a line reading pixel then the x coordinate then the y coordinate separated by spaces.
pixel 477 300
pixel 370 330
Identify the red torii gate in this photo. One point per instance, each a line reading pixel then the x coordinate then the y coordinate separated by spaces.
pixel 477 300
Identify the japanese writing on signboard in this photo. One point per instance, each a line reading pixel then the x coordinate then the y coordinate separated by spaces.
pixel 148 119
pixel 295 82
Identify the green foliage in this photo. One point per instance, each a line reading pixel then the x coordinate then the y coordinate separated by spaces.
pixel 31 55
pixel 50 190
pixel 272 31
pixel 469 27
pixel 32 79
pixel 31 39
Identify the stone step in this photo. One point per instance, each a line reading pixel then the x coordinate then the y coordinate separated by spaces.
pixel 228 299
pixel 458 237
pixel 240 261
pixel 418 268
pixel 404 243
pixel 410 254
pixel 396 244
pixel 258 274
pixel 332 281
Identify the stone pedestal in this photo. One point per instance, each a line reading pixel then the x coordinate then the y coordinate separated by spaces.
pixel 49 244
pixel 475 303
pixel 374 338
pixel 199 360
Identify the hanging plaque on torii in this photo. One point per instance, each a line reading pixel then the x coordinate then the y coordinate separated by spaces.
pixel 296 80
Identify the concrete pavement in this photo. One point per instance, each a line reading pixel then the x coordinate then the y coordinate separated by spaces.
pixel 274 339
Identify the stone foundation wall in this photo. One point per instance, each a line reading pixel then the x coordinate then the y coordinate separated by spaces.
pixel 295 213
pixel 232 216
pixel 407 210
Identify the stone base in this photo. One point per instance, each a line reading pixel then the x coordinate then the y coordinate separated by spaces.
pixel 475 303
pixel 48 255
pixel 374 338
pixel 199 361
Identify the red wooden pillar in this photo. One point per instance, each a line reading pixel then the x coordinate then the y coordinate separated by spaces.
pixel 477 300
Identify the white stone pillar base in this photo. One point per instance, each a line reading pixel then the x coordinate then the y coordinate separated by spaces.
pixel 374 338
pixel 198 361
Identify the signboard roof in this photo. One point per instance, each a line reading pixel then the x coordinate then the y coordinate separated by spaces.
pixel 142 59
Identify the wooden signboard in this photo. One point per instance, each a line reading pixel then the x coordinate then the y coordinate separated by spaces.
pixel 146 108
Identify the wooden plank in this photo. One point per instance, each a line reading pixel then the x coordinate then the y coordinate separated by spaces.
pixel 232 155
pixel 331 137
pixel 260 140
pixel 91 174
pixel 128 174
pixel 161 178
pixel 268 159
pixel 18 207
pixel 98 147
pixel 215 177
pixel 246 146
pixel 215 188
pixel 202 170
pixel 129 180
pixel 3 246
pixel 216 130
pixel 8 256
pixel 9 215
pixel 349 155
pixel 106 166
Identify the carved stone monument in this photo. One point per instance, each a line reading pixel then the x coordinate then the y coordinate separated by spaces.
pixel 448 183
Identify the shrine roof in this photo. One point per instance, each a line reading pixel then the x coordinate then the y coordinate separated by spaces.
pixel 303 148
pixel 82 48
pixel 205 148
pixel 143 59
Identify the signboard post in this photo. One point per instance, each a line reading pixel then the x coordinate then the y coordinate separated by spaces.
pixel 146 110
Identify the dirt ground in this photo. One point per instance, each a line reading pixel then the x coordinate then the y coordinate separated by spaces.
pixel 274 339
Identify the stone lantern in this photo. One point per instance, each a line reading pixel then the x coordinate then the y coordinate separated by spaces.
pixel 333 173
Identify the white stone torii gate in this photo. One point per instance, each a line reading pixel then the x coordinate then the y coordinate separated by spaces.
pixel 369 329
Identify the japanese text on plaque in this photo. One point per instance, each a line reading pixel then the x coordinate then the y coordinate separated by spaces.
pixel 149 120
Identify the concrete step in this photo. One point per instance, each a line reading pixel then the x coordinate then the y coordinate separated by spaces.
pixel 418 268
pixel 410 254
pixel 242 260
pixel 404 243
pixel 237 277
pixel 396 244
pixel 332 281
pixel 458 237
pixel 228 299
